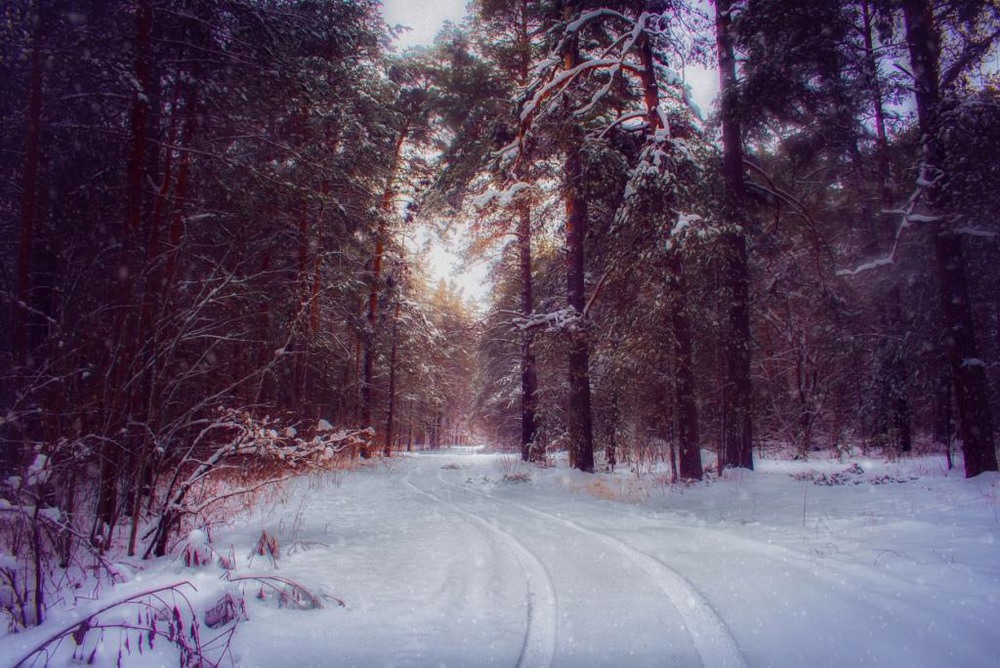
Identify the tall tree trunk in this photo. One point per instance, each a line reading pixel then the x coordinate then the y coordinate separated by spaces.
pixel 10 454
pixel 878 105
pixel 737 410
pixel 388 195
pixel 29 190
pixel 968 374
pixel 391 407
pixel 684 399
pixel 531 450
pixel 581 439
pixel 119 402
pixel 685 404
pixel 300 367
pixel 894 362
pixel 529 378
pixel 176 233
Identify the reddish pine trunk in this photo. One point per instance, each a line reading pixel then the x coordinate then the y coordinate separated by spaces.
pixel 391 408
pixel 531 450
pixel 367 394
pixel 737 426
pixel 529 379
pixel 684 400
pixel 29 197
pixel 579 418
pixel 119 401
pixel 183 183
pixel 579 422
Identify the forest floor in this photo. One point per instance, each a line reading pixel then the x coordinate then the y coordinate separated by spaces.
pixel 463 558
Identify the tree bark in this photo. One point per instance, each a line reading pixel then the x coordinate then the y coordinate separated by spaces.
pixel 967 370
pixel 883 235
pixel 737 415
pixel 529 378
pixel 10 453
pixel 531 450
pixel 119 402
pixel 29 186
pixel 685 404
pixel 391 408
pixel 367 388
pixel 579 422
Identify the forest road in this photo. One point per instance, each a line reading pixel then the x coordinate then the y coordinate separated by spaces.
pixel 461 558
pixel 590 598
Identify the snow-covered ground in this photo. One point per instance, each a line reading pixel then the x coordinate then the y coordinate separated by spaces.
pixel 462 558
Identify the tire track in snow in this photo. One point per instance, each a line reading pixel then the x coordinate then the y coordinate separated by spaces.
pixel 710 635
pixel 539 645
pixel 833 571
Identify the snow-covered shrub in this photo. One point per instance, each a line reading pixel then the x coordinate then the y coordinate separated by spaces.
pixel 135 626
pixel 197 550
pixel 264 453
pixel 852 475
pixel 44 554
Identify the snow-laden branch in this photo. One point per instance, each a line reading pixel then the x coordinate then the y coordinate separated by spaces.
pixel 573 27
pixel 561 81
pixel 907 216
pixel 237 433
pixel 686 224
pixel 566 319
pixel 503 197
pixel 976 232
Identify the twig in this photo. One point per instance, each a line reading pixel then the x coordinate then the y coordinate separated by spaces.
pixel 76 626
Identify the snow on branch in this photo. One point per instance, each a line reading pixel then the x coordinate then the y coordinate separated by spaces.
pixel 687 224
pixel 561 81
pixel 239 434
pixel 564 320
pixel 907 216
pixel 976 232
pixel 576 25
pixel 503 197
pixel 617 59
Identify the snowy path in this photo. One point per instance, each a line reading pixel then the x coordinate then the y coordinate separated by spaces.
pixel 539 643
pixel 579 619
pixel 712 639
pixel 441 561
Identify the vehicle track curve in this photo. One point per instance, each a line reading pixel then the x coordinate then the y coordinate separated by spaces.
pixel 539 645
pixel 712 639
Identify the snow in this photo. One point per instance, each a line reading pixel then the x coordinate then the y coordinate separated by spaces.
pixel 867 266
pixel 464 558
pixel 38 470
pixel 565 319
pixel 922 218
pixel 503 197
pixel 976 232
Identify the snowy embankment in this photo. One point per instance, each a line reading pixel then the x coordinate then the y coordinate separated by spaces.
pixel 462 559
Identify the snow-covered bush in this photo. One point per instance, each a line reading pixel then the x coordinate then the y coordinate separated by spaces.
pixel 260 451
pixel 45 554
pixel 54 546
